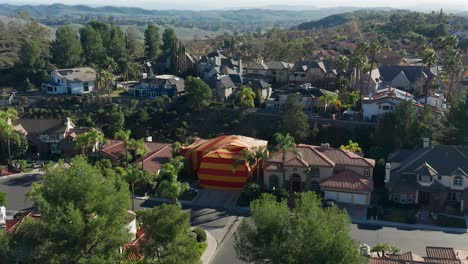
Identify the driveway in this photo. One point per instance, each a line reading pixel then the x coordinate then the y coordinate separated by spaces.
pixel 216 199
pixel 16 189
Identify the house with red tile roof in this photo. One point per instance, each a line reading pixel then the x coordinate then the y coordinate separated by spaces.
pixel 158 155
pixel 435 255
pixel 342 175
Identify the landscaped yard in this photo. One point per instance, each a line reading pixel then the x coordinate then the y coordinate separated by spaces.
pixel 446 221
pixel 399 214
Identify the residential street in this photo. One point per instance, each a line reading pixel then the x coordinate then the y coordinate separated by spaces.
pixel 223 223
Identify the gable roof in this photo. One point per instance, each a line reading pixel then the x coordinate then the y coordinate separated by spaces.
pixel 279 65
pixel 259 84
pixel 348 180
pixel 42 126
pixel 412 73
pixel 443 159
pixel 304 66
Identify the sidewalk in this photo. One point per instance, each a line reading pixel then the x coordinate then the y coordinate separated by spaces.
pixel 211 247
pixel 409 226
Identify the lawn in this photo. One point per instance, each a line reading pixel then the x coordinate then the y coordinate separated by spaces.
pixel 399 214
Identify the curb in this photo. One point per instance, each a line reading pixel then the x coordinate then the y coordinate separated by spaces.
pixel 211 247
pixel 409 226
pixel 19 175
pixel 162 200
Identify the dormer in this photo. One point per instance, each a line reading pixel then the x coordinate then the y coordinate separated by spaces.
pixel 426 174
pixel 457 179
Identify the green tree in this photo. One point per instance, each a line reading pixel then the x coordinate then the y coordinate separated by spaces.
pixel 6 129
pixel 452 68
pixel 133 175
pixel 168 237
pixel 83 216
pixel 170 186
pixel 252 158
pixel 118 50
pixel 293 119
pixel 374 50
pixel 306 234
pixel 31 59
pixel 93 50
pixel 329 99
pixel 104 31
pixel 246 97
pixel 6 253
pixel 3 198
pixel 382 248
pixel 429 57
pixel 139 148
pixel 455 126
pixel 124 135
pixel 66 48
pixel 152 42
pixel 134 44
pixel 284 143
pixel 352 146
pixel 199 94
pixel 114 120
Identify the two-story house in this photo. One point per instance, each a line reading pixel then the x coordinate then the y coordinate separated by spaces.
pixel 317 73
pixel 161 85
pixel 435 177
pixel 407 78
pixel 341 175
pixel 71 81
pixel 310 98
pixel 263 89
pixel 50 136
pixel 385 101
pixel 272 71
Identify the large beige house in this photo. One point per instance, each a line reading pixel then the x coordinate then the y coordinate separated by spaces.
pixel 341 175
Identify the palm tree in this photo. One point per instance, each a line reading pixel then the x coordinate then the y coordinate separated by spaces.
pixel 82 142
pixel 96 137
pixel 6 129
pixel 107 77
pixel 170 186
pixel 140 149
pixel 374 50
pixel 246 97
pixel 124 135
pixel 359 59
pixel 452 67
pixel 329 99
pixel 133 175
pixel 429 57
pixel 252 158
pixel 284 144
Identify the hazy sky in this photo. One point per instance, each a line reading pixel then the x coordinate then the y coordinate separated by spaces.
pixel 219 4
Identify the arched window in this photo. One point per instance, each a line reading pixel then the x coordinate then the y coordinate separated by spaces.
pixel 274 181
pixel 458 180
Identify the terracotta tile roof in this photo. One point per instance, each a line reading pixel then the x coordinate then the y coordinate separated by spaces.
pixel 408 256
pixel 348 180
pixel 159 153
pixel 441 252
pixel 133 250
pixel 383 261
pixel 308 156
pixel 442 261
pixel 12 225
pixel 345 157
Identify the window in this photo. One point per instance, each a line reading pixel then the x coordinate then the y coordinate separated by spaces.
pixel 410 198
pixel 274 181
pixel 395 197
pixel 313 171
pixel 454 196
pixel 458 180
pixel 425 178
pixel 315 186
pixel 86 86
pixel 403 198
pixel 366 172
pixel 385 107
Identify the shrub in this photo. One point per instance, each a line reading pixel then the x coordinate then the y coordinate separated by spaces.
pixel 252 191
pixel 200 233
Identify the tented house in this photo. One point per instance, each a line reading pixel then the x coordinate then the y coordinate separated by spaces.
pixel 214 160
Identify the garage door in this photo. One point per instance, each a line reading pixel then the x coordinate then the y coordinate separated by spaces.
pixel 360 199
pixel 345 197
pixel 330 195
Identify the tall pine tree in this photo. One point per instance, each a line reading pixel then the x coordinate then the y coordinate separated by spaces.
pixel 152 42
pixel 66 48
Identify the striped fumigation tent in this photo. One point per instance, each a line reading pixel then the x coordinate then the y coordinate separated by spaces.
pixel 214 161
pixel 217 170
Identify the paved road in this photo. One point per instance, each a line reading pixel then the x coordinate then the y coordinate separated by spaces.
pixel 16 189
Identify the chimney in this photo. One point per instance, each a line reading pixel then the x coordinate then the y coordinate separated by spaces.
pixel 325 145
pixel 388 168
pixel 426 143
pixel 149 139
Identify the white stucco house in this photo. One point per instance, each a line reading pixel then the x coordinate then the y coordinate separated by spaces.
pixel 71 81
pixel 385 101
